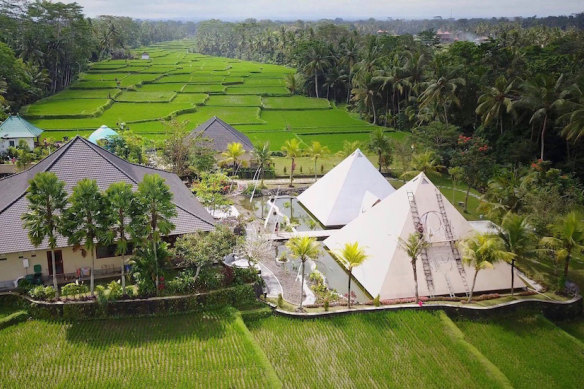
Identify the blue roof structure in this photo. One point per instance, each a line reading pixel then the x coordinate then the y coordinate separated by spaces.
pixel 17 127
pixel 102 132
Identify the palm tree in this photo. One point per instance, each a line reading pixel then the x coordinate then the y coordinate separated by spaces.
pixel 349 148
pixel 481 251
pixel 293 150
pixel 233 154
pixel 567 239
pixel 263 158
pixel 414 246
pixel 365 92
pixel 442 92
pixel 86 220
pixel 573 114
pixel 540 96
pixel 517 237
pixel 495 102
pixel 316 151
pixel 294 82
pixel 349 56
pixel 47 200
pixel 303 248
pixel 124 210
pixel 379 143
pixel 426 162
pixel 351 256
pixel 318 61
pixel 155 196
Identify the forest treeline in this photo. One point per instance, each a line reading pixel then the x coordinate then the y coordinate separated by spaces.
pixel 44 45
pixel 522 89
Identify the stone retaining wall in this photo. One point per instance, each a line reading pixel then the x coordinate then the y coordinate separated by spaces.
pixel 553 310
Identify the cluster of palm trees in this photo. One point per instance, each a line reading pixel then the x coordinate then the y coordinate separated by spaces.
pixel 90 217
pixel 305 248
pixel 294 148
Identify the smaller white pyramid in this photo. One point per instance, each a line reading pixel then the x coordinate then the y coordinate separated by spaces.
pixel 387 271
pixel 346 191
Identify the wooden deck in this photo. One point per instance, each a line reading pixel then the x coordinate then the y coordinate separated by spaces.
pixel 318 234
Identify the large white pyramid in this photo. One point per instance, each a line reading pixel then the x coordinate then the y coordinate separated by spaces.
pixel 418 206
pixel 345 192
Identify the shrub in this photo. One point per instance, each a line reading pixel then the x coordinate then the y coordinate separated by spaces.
pixel 101 297
pixel 50 292
pixel 280 300
pixel 74 289
pixel 326 305
pixel 115 291
pixel 376 301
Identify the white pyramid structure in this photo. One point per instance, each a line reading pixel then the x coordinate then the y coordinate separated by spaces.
pixel 419 207
pixel 345 192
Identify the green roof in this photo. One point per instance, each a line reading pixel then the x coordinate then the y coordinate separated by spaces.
pixel 17 127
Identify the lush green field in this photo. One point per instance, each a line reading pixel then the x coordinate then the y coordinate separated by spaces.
pixel 250 96
pixel 397 349
pixel 196 350
pixel 531 351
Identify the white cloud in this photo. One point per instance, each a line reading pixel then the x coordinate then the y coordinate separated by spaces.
pixel 317 9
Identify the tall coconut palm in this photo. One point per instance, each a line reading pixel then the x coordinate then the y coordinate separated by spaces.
pixel 380 144
pixel 351 256
pixel 263 158
pixel 414 246
pixel 47 200
pixel 349 56
pixel 482 251
pixel 364 92
pixel 124 210
pixel 232 155
pixel 318 61
pixel 303 248
pixel 573 113
pixel 427 162
pixel 517 237
pixel 316 151
pixel 495 102
pixel 540 96
pixel 442 92
pixel 86 220
pixel 567 239
pixel 293 150
pixel 155 196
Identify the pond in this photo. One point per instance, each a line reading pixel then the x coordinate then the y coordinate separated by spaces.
pixel 335 275
pixel 284 209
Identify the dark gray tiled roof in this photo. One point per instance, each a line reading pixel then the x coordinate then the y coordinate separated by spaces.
pixel 221 134
pixel 80 159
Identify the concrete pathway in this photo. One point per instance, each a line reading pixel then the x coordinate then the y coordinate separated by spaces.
pixel 273 286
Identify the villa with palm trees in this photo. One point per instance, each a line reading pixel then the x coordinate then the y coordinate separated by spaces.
pixel 75 162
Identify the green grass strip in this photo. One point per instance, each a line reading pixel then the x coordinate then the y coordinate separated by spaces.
pixel 457 335
pixel 271 376
pixel 13 318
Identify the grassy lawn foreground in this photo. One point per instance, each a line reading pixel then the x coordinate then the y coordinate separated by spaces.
pixel 203 350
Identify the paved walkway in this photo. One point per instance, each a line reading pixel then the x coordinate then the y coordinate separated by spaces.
pixel 273 286
pixel 289 283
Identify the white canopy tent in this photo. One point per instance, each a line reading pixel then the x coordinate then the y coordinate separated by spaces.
pixel 348 190
pixel 418 206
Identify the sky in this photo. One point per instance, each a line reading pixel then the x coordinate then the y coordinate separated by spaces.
pixel 319 9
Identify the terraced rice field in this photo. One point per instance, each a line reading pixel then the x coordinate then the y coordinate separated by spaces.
pixel 397 349
pixel 531 351
pixel 202 350
pixel 250 96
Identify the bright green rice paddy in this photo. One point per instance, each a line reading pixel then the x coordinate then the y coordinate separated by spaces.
pixel 248 95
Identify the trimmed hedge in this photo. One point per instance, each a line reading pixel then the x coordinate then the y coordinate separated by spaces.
pixel 241 296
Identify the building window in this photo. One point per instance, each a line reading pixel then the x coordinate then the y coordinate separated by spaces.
pixel 3 259
pixel 110 251
pixel 11 143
